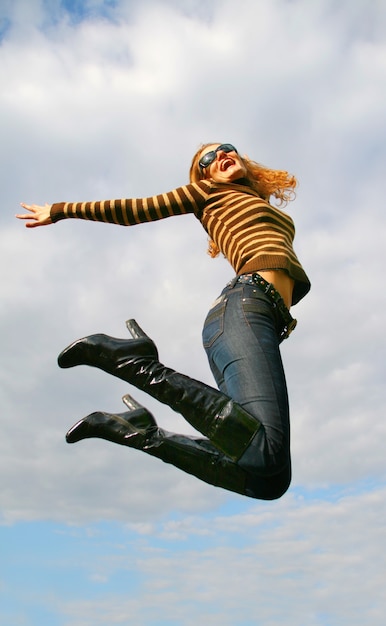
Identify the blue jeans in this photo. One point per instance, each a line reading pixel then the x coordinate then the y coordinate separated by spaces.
pixel 241 336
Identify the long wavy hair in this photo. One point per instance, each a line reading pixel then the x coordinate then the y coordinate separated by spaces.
pixel 265 181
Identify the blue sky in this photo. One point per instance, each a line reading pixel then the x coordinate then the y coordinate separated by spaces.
pixel 111 99
pixel 78 10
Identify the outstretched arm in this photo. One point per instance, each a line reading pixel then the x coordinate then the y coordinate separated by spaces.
pixel 186 199
pixel 37 216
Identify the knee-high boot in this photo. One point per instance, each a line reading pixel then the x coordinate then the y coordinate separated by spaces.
pixel 208 410
pixel 137 428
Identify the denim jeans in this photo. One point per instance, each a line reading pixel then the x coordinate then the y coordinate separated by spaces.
pixel 241 336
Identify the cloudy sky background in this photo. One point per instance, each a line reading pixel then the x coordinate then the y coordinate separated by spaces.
pixel 110 98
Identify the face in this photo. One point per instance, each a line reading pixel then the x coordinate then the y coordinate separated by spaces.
pixel 226 167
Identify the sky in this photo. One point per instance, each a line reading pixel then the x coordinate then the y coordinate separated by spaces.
pixel 111 98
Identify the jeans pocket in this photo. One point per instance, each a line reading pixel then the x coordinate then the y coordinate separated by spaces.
pixel 214 323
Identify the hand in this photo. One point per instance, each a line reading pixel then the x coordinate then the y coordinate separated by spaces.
pixel 39 215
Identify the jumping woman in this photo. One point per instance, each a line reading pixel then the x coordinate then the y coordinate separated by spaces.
pixel 246 443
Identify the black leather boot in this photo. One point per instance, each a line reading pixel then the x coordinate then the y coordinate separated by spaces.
pixel 208 410
pixel 132 428
pixel 137 428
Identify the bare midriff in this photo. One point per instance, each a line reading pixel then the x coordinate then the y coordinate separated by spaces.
pixel 282 283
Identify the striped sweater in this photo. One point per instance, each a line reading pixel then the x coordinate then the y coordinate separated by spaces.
pixel 251 234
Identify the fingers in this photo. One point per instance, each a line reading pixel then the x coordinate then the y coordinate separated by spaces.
pixel 27 216
pixel 37 216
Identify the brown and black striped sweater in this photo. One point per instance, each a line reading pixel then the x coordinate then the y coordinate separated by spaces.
pixel 252 234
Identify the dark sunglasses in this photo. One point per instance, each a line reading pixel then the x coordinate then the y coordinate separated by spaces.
pixel 209 157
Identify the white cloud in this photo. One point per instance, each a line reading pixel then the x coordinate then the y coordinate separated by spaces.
pixel 296 562
pixel 109 108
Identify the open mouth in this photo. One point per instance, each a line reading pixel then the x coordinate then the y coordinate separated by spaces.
pixel 226 163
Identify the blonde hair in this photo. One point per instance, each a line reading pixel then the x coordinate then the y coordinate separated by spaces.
pixel 265 181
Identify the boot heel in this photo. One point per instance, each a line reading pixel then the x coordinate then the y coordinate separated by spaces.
pixel 139 417
pixel 131 403
pixel 135 330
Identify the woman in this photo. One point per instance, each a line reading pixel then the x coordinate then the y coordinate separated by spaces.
pixel 246 448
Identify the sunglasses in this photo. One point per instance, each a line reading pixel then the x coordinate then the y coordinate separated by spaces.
pixel 211 156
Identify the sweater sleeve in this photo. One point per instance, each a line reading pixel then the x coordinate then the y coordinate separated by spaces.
pixel 128 212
